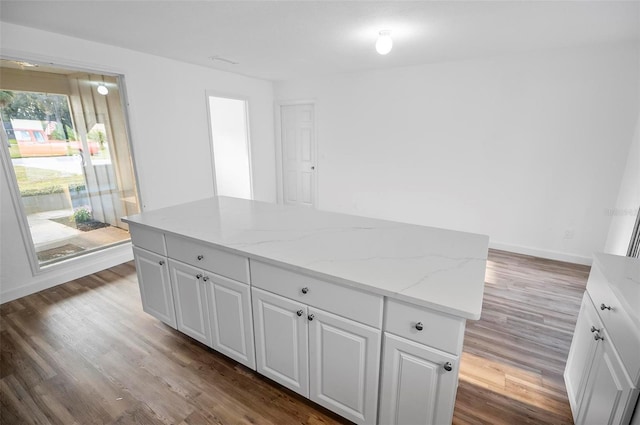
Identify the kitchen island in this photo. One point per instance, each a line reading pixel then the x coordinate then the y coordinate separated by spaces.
pixel 354 313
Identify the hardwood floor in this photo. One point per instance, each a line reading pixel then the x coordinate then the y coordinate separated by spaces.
pixel 85 353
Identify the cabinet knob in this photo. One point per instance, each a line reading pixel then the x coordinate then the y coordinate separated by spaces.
pixel 310 317
pixel 598 337
pixel 594 329
pixel 161 262
pixel 305 290
pixel 199 276
pixel 604 307
pixel 448 367
pixel 205 279
pixel 200 257
pixel 419 326
pixel 299 313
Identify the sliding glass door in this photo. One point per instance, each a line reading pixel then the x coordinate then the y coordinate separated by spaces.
pixel 67 155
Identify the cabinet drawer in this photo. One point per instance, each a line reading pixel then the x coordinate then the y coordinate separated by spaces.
pixel 149 239
pixel 438 330
pixel 208 258
pixel 347 302
pixel 624 335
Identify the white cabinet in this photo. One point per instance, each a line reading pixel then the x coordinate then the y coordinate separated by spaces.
pixel 422 349
pixel 229 304
pixel 344 359
pixel 192 311
pixel 281 335
pixel 418 383
pixel 581 353
pixel 330 359
pixel 602 373
pixel 608 390
pixel 155 285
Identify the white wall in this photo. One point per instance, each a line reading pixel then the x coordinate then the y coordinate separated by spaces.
pixel 528 149
pixel 167 108
pixel 623 212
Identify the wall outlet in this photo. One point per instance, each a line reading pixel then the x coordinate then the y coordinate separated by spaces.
pixel 569 234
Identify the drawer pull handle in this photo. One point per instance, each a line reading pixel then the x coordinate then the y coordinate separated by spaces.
pixel 419 326
pixel 447 366
pixel 299 313
pixel 161 262
pixel 200 257
pixel 598 337
pixel 604 307
pixel 199 276
pixel 594 329
pixel 205 279
pixel 305 290
pixel 310 317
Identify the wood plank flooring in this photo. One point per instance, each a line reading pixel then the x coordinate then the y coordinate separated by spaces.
pixel 85 353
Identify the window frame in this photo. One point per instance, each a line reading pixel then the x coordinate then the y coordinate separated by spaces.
pixel 14 191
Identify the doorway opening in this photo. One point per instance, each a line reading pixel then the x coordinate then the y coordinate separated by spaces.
pixel 230 146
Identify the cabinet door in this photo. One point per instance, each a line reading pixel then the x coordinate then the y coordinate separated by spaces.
pixel 581 353
pixel 155 285
pixel 608 391
pixel 344 363
pixel 231 318
pixel 281 334
pixel 190 301
pixel 416 387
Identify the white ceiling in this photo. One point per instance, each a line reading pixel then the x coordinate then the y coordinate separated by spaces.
pixel 290 39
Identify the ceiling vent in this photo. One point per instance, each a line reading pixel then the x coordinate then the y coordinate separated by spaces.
pixel 217 58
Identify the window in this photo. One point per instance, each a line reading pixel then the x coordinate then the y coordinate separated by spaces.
pixel 66 151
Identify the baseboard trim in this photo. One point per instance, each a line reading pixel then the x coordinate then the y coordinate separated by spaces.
pixel 72 269
pixel 550 255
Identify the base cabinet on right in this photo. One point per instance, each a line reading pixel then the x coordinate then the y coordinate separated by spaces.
pixel 418 383
pixel 602 374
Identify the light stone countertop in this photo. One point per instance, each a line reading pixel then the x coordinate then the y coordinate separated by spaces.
pixel 436 268
pixel 623 275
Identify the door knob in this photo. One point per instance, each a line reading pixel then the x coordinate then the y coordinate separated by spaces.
pixel 310 317
pixel 313 167
pixel 305 290
pixel 447 366
pixel 206 278
pixel 299 313
pixel 161 262
pixel 199 276
pixel 200 257
pixel 419 326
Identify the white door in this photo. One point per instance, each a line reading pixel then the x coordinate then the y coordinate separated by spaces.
pixel 344 358
pixel 190 301
pixel 298 154
pixel 581 353
pixel 416 386
pixel 608 389
pixel 281 335
pixel 155 286
pixel 231 318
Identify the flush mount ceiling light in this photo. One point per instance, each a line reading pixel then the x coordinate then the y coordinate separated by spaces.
pixel 384 43
pixel 102 89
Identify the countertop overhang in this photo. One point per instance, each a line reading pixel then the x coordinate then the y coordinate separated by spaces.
pixel 436 268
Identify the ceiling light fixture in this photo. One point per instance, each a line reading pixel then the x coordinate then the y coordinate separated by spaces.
pixel 102 89
pixel 384 43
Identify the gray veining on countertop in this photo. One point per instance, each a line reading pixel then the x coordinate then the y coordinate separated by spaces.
pixel 437 268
